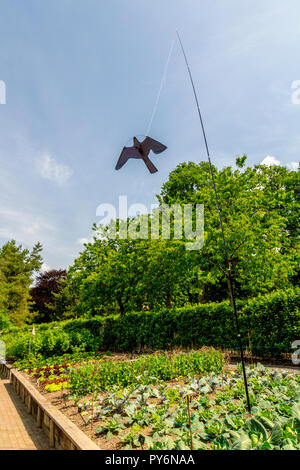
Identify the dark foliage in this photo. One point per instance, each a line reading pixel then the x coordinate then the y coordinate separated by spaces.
pixel 42 293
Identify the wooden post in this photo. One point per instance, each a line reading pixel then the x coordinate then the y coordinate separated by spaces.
pixel 29 404
pixel 39 417
pixel 51 434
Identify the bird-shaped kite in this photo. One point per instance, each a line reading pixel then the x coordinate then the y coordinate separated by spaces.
pixel 141 150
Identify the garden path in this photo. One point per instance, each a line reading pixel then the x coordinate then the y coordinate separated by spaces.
pixel 18 430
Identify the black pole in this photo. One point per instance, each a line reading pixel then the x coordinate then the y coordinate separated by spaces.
pixel 229 275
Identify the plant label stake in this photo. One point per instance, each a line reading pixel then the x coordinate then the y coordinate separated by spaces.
pixel 188 400
pixel 142 440
pixel 93 397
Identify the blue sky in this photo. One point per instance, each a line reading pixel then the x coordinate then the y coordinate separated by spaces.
pixel 82 78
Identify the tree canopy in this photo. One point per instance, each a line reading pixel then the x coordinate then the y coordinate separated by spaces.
pixel 17 268
pixel 42 294
pixel 260 211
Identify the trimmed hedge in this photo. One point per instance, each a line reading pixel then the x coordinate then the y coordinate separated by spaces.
pixel 273 321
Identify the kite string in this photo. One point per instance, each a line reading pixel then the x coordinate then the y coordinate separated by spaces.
pixel 161 85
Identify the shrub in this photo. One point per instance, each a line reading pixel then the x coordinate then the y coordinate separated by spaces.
pixel 272 322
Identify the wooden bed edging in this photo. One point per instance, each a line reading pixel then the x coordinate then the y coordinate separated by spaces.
pixel 63 434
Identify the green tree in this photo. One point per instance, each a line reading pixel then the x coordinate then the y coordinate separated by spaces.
pixel 115 275
pixel 17 268
pixel 64 302
pixel 260 211
pixel 165 268
pixel 104 275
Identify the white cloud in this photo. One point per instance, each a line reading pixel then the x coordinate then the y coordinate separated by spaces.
pixel 51 170
pixel 293 165
pixel 24 227
pixel 45 267
pixel 83 240
pixel 269 161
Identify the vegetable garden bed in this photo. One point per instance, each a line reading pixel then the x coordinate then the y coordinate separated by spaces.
pixel 121 409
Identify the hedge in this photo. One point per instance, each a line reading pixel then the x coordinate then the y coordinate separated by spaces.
pixel 271 321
